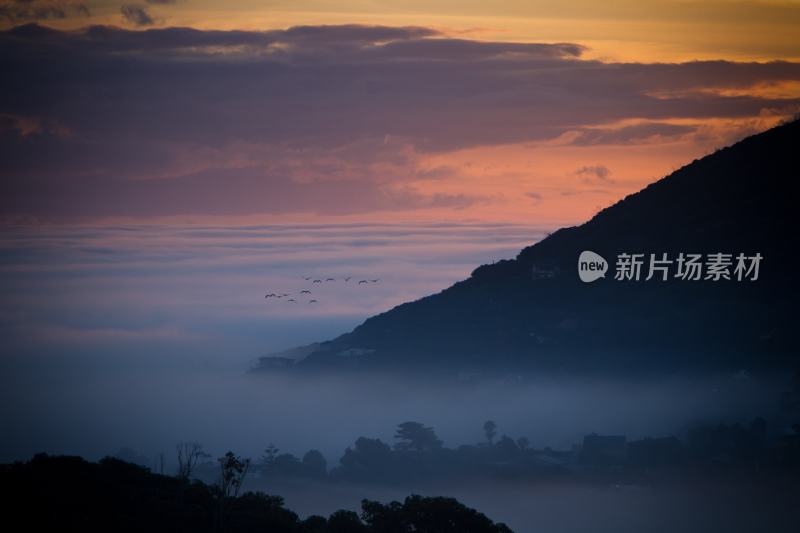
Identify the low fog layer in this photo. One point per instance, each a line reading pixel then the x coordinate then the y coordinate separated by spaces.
pixel 94 411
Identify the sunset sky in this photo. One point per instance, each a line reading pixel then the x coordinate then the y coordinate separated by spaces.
pixel 236 112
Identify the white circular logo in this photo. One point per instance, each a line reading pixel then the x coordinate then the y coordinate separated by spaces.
pixel 591 266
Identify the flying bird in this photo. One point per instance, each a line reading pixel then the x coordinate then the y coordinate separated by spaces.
pixel 317 281
pixel 348 278
pixel 270 295
pixel 312 301
pixel 330 279
pixel 374 280
pixel 284 294
pixel 291 300
pixel 305 292
pixel 306 278
pixel 362 281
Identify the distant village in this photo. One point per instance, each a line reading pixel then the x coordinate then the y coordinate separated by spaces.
pixel 419 455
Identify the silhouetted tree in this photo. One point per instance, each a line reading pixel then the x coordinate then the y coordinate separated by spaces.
pixel 368 458
pixel 490 430
pixel 416 513
pixel 314 524
pixel 269 454
pixel 286 465
pixel 189 454
pixel 523 443
pixel 415 436
pixel 256 511
pixel 233 470
pixel 345 522
pixel 315 463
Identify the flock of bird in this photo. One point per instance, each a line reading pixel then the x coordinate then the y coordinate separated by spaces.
pixel 281 295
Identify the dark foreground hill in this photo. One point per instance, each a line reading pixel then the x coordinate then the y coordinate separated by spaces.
pixel 71 494
pixel 533 312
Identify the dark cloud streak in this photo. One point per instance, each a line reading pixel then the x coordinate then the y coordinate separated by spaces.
pixel 595 172
pixel 16 11
pixel 136 15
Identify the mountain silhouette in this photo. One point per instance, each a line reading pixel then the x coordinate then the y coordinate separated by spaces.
pixel 533 312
